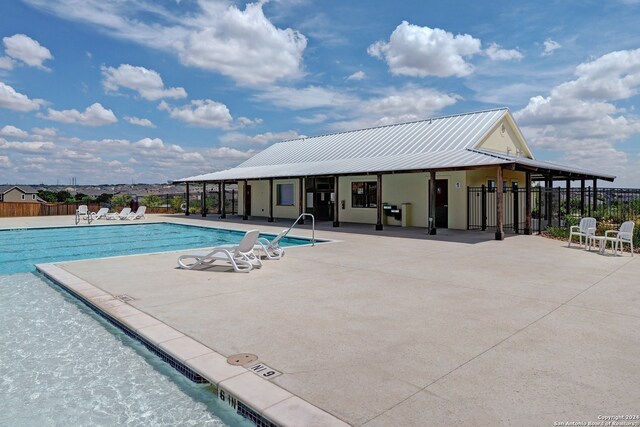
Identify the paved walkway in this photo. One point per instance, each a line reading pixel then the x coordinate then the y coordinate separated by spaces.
pixel 392 331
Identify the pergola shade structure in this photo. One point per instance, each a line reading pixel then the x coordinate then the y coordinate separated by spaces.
pixel 463 150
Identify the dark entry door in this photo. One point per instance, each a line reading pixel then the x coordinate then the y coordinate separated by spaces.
pixel 247 200
pixel 442 203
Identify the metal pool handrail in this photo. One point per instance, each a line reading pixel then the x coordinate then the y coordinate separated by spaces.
pixel 313 227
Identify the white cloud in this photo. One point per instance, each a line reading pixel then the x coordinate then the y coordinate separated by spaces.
pixel 6 63
pixel 5 162
pixel 201 112
pixel 94 115
pixel 266 138
pixel 27 50
pixel 13 132
pixel 229 153
pixel 580 119
pixel 396 106
pixel 550 46
pixel 241 44
pixel 246 46
pixel 48 132
pixel 316 118
pixel 27 146
pixel 358 75
pixel 305 98
pixel 422 51
pixel 496 53
pixel 17 101
pixel 147 83
pixel 140 122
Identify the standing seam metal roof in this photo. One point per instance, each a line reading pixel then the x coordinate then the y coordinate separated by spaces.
pixel 438 143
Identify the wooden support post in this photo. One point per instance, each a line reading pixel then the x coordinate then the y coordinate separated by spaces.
pixel 499 205
pixel 336 202
pixel 204 199
pixel 432 203
pixel 223 196
pixel 527 204
pixel 379 203
pixel 567 209
pixel 245 201
pixel 301 194
pixel 270 219
pixel 186 211
pixel 581 197
pixel 595 196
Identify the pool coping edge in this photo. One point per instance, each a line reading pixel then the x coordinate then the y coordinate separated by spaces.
pixel 235 385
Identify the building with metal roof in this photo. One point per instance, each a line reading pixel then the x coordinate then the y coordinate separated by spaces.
pixel 352 176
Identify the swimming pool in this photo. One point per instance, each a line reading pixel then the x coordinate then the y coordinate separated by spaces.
pixel 20 249
pixel 62 364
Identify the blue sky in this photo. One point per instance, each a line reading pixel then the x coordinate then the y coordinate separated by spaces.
pixel 146 91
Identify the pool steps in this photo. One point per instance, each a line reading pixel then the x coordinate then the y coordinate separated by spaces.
pixel 253 397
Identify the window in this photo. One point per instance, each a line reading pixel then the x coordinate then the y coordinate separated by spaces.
pixel 33 197
pixel 285 194
pixel 22 196
pixel 364 194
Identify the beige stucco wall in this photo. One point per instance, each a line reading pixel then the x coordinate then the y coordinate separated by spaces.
pixel 504 138
pixel 15 195
pixel 260 198
pixel 396 189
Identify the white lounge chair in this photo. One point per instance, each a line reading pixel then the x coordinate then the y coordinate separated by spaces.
pixel 586 228
pixel 139 214
pixel 241 256
pixel 101 214
pixel 122 215
pixel 621 236
pixel 271 249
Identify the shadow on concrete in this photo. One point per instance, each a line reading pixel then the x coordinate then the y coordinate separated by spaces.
pixel 445 235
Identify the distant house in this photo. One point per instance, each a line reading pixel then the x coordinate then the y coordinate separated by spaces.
pixel 19 193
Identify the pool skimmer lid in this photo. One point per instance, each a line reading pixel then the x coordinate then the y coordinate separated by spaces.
pixel 241 359
pixel 124 298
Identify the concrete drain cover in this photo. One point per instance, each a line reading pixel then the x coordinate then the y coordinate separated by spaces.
pixel 124 298
pixel 241 359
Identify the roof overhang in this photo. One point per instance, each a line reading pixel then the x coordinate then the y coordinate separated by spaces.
pixel 466 159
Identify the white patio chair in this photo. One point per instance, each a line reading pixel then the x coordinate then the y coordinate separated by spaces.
pixel 139 214
pixel 122 215
pixel 241 256
pixel 621 236
pixel 586 228
pixel 102 213
pixel 271 249
pixel 82 211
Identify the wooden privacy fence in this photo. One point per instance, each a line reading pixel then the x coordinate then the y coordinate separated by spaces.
pixel 10 209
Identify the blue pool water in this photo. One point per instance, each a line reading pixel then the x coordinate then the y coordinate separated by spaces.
pixel 20 249
pixel 62 365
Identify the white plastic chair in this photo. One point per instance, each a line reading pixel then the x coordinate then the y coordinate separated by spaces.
pixel 621 236
pixel 122 215
pixel 586 229
pixel 102 213
pixel 139 214
pixel 241 256
pixel 271 249
pixel 83 211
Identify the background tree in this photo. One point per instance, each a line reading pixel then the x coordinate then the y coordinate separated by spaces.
pixel 63 196
pixel 48 196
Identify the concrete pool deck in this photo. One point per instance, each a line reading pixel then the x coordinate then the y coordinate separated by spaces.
pixel 379 330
